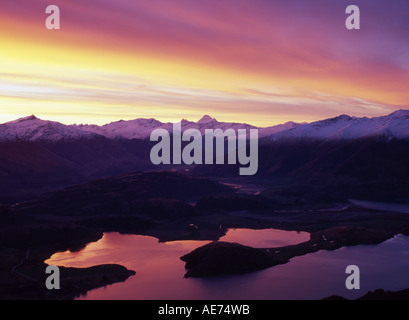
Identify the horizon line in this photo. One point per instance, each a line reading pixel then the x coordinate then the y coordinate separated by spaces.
pixel 206 115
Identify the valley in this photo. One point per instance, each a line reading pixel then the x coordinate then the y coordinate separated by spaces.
pixel 65 187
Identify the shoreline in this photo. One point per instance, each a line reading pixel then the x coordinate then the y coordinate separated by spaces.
pixel 329 231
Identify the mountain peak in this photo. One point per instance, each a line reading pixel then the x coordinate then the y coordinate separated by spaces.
pixel 401 113
pixel 29 118
pixel 23 120
pixel 206 119
pixel 343 117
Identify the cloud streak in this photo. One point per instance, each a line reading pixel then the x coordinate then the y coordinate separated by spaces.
pixel 240 60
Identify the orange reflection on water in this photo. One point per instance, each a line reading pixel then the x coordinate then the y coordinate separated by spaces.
pixel 115 248
pixel 265 238
pixel 145 252
pixel 160 272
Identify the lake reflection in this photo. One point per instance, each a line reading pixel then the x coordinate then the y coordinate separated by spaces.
pixel 159 271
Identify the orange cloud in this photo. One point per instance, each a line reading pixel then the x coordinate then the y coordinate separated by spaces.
pixel 258 61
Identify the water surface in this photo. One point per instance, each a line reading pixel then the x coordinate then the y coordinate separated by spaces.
pixel 159 271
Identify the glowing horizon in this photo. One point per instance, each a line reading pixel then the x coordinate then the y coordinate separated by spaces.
pixel 259 62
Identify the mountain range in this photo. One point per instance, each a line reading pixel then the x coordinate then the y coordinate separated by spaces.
pixel 394 125
pixel 369 156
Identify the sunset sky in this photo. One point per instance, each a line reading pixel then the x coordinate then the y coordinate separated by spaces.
pixel 262 62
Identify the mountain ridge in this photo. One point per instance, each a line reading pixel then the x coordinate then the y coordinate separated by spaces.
pixel 31 128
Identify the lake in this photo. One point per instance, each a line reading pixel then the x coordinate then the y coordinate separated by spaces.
pixel 159 271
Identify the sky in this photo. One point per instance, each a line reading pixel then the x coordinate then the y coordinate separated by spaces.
pixel 262 62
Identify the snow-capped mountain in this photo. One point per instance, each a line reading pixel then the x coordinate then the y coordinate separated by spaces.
pixel 142 128
pixel 345 127
pixel 34 129
pixel 270 131
pixel 132 129
pixel 342 127
pixel 36 155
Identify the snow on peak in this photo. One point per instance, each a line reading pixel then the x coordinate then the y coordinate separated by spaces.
pixel 29 118
pixel 25 119
pixel 142 128
pixel 131 129
pixel 31 128
pixel 400 114
pixel 206 119
pixel 346 127
pixel 265 132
